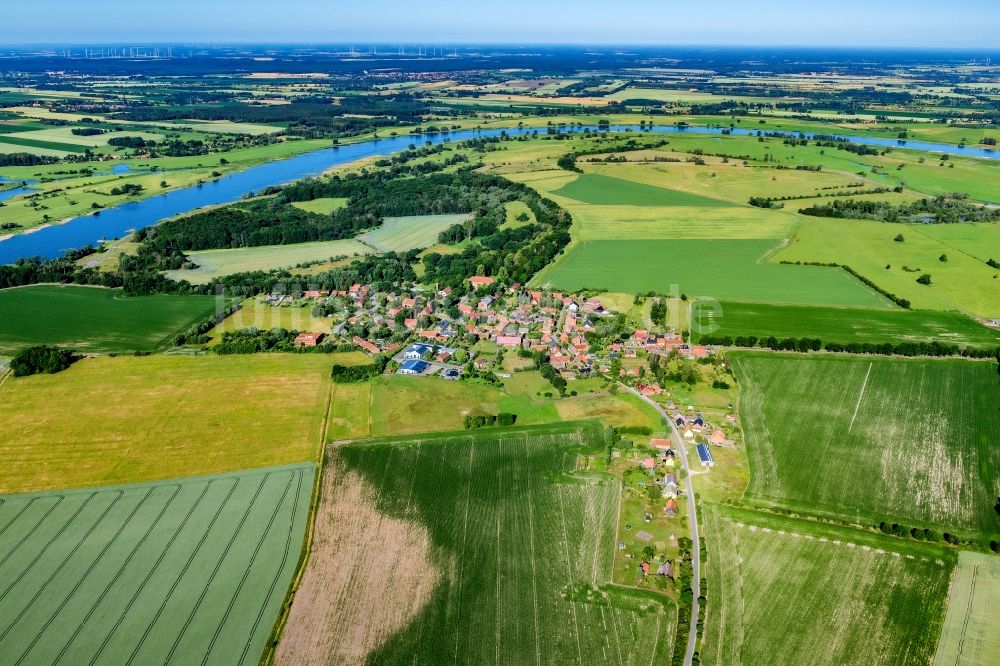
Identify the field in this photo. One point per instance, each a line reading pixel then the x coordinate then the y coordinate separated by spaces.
pixel 216 263
pixel 265 317
pixel 321 206
pixel 183 571
pixel 874 439
pixel 400 234
pixel 796 592
pixel 971 633
pixel 89 319
pixel 729 269
pixel 842 325
pixel 124 419
pixel 470 548
pixel 595 188
pixel 963 283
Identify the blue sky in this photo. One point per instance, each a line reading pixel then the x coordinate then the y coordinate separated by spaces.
pixel 872 23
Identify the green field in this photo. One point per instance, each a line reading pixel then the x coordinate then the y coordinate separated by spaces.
pixel 730 269
pixel 971 633
pixel 784 591
pixel 842 325
pixel 90 319
pixel 400 234
pixel 321 206
pixel 594 188
pixel 121 420
pixel 25 145
pixel 216 263
pixel 872 439
pixel 963 283
pixel 183 571
pixel 502 553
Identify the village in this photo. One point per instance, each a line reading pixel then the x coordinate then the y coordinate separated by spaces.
pixel 451 335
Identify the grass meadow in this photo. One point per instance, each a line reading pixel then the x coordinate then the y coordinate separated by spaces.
pixel 323 206
pixel 970 635
pixel 91 319
pixel 470 547
pixel 125 419
pixel 182 571
pixel 871 599
pixel 727 269
pixel 842 325
pixel 871 439
pixel 400 234
pixel 216 263
pixel 964 282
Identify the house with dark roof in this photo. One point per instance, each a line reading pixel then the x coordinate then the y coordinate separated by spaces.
pixel 705 455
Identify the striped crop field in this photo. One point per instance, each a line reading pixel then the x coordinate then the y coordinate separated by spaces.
pixel 874 439
pixel 183 571
pixel 971 633
pixel 787 591
pixel 470 548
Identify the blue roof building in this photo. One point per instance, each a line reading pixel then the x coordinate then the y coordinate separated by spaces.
pixel 416 350
pixel 413 367
pixel 705 456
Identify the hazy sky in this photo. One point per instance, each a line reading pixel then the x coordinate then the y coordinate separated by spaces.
pixel 919 23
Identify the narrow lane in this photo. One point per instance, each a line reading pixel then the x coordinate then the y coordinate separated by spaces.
pixel 692 519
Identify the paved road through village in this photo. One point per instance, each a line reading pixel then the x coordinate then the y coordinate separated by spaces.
pixel 693 519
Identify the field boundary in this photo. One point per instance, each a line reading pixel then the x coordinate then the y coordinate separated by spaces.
pixel 267 659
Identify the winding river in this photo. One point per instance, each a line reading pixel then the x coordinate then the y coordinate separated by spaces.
pixel 52 241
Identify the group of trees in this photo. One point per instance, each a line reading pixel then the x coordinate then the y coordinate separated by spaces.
pixel 487 420
pixel 351 374
pixel 944 209
pixel 41 359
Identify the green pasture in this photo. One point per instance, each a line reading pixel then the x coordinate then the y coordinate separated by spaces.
pixel 323 206
pixel 843 325
pixel 400 234
pixel 728 269
pixel 964 282
pixel 594 188
pixel 180 571
pixel 874 439
pixel 92 319
pixel 216 263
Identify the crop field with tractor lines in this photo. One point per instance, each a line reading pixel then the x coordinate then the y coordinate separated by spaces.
pixel 786 591
pixel 183 571
pixel 470 548
pixel 873 439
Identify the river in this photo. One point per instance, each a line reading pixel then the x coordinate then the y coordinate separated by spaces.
pixel 54 240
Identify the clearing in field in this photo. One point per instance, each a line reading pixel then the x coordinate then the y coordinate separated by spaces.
pixel 873 439
pixel 91 319
pixel 182 571
pixel 730 269
pixel 323 206
pixel 971 633
pixel 480 547
pixel 844 325
pixel 871 599
pixel 216 263
pixel 126 419
pixel 400 234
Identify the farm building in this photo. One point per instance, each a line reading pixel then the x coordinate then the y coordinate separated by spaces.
pixel 670 508
pixel 364 344
pixel 416 351
pixel 413 367
pixel 308 339
pixel 705 456
pixel 660 443
pixel 666 569
pixel 717 437
pixel 644 568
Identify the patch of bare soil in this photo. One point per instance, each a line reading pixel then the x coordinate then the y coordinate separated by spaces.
pixel 368 576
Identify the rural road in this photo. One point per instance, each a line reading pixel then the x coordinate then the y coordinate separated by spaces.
pixel 693 519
